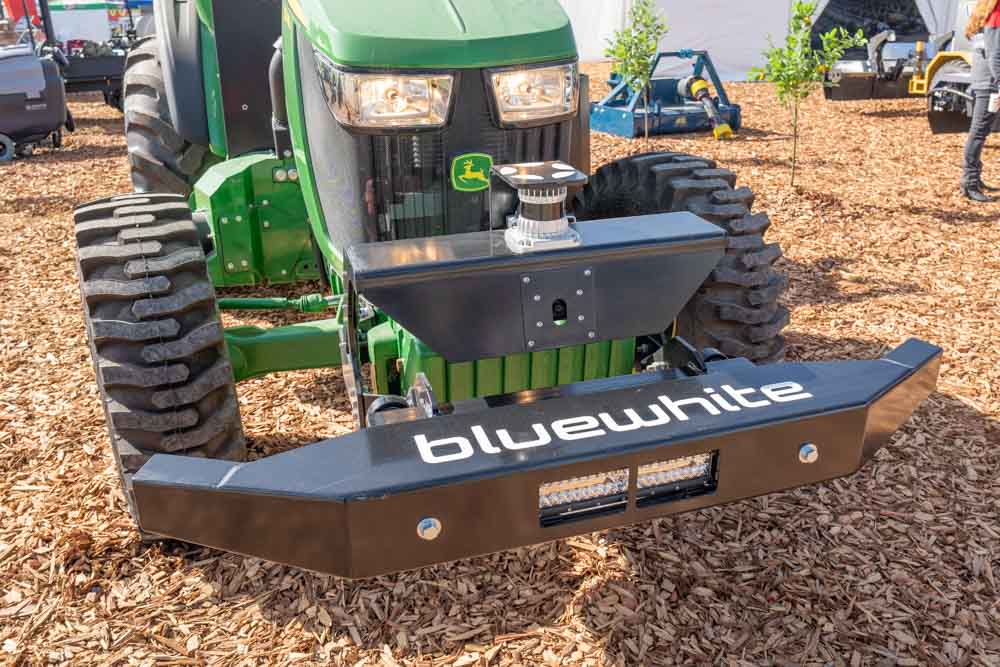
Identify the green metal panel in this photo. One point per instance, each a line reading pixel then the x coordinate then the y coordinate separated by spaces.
pixel 571 363
pixel 544 369
pixel 300 145
pixel 218 143
pixel 397 357
pixel 254 351
pixel 489 377
pixel 383 351
pixel 259 227
pixel 205 13
pixel 441 34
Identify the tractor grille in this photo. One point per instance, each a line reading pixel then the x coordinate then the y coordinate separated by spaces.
pixel 413 190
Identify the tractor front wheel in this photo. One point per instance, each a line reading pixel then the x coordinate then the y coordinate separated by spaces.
pixel 736 310
pixel 160 159
pixel 155 336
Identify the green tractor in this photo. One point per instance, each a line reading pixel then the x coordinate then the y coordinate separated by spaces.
pixel 531 351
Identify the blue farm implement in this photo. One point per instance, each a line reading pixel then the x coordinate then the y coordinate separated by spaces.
pixel 675 104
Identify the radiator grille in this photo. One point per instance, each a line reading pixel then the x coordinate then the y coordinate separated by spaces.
pixel 413 193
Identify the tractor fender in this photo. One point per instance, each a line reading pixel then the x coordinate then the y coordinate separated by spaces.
pixel 954 72
pixel 179 30
pixel 920 85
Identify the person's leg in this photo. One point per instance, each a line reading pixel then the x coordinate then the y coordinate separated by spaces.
pixel 982 123
pixel 991 128
pixel 991 41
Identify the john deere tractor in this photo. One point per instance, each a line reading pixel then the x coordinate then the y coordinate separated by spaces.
pixel 530 350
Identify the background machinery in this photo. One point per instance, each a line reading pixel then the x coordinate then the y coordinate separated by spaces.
pixel 946 81
pixel 887 71
pixel 32 99
pixel 530 350
pixel 94 39
pixel 938 67
pixel 899 40
pixel 678 101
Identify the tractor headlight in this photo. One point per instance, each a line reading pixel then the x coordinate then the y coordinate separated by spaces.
pixel 385 100
pixel 526 95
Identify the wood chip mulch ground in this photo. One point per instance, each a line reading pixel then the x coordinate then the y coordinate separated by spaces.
pixel 897 565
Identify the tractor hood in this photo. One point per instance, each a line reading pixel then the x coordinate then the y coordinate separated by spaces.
pixel 436 34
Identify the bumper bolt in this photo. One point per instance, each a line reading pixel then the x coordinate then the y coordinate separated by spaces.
pixel 428 528
pixel 808 453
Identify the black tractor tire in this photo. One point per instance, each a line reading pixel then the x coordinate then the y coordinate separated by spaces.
pixel 160 159
pixel 154 331
pixel 7 148
pixel 737 309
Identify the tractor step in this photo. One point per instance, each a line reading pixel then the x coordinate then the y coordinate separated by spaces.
pixel 509 471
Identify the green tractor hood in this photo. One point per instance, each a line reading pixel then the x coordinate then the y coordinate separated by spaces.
pixel 436 34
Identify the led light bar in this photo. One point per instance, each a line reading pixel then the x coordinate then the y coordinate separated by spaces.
pixel 580 497
pixel 678 478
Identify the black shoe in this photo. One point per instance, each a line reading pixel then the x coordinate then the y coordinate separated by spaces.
pixel 972 192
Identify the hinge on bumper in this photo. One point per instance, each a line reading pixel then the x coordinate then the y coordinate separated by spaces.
pixel 681 355
pixel 684 358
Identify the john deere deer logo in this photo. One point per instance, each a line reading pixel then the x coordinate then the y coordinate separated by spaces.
pixel 471 172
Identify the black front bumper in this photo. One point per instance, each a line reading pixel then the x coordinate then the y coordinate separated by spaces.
pixel 351 505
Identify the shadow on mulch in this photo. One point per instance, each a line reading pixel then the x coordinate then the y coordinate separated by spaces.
pixel 70 154
pixel 114 126
pixel 442 588
pixel 759 162
pixel 895 113
pixel 805 347
pixel 37 204
pixel 831 280
pixel 986 214
pixel 752 134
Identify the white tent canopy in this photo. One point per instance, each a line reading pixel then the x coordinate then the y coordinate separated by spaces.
pixel 734 33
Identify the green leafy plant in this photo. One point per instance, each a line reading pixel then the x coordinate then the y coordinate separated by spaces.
pixel 633 48
pixel 796 68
